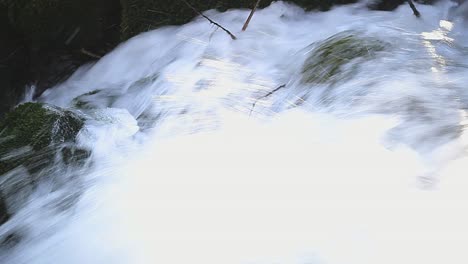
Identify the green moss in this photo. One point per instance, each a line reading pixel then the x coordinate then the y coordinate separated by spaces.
pixel 39 125
pixel 328 58
pixel 30 133
pixel 37 137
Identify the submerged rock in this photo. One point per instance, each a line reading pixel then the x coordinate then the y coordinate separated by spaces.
pixel 328 59
pixel 4 216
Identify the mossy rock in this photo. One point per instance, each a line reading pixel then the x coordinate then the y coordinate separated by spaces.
pixel 34 128
pixel 328 59
pixel 35 137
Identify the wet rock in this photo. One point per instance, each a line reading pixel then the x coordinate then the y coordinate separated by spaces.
pixel 4 216
pixel 88 100
pixel 10 240
pixel 34 138
pixel 73 156
pixel 31 133
pixel 328 58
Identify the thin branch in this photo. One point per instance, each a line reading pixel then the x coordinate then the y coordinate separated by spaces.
pixel 246 24
pixel 266 95
pixel 211 21
pixel 413 7
pixel 90 54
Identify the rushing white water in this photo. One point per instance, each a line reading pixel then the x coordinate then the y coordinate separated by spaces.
pixel 185 171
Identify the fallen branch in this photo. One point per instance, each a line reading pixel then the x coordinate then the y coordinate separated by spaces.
pixel 265 96
pixel 211 21
pixel 413 7
pixel 246 24
pixel 88 53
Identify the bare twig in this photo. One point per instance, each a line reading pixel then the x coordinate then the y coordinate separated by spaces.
pixel 246 24
pixel 266 95
pixel 413 7
pixel 93 55
pixel 72 36
pixel 207 18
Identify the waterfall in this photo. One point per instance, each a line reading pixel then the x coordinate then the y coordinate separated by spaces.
pixel 195 160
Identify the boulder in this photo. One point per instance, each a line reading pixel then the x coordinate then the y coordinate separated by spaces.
pixel 33 128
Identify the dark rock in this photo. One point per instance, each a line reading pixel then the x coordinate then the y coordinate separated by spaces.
pixel 4 216
pixel 73 156
pixel 35 140
pixel 11 240
pixel 385 5
pixel 389 5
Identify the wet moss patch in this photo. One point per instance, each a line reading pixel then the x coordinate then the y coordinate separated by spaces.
pixel 34 128
pixel 328 58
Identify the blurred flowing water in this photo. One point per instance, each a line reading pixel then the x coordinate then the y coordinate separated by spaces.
pixel 192 162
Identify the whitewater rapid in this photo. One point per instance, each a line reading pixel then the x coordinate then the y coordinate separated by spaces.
pixel 186 170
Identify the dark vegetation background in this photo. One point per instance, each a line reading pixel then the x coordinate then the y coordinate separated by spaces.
pixel 42 41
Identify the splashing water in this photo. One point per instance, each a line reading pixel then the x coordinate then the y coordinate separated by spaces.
pixel 187 170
